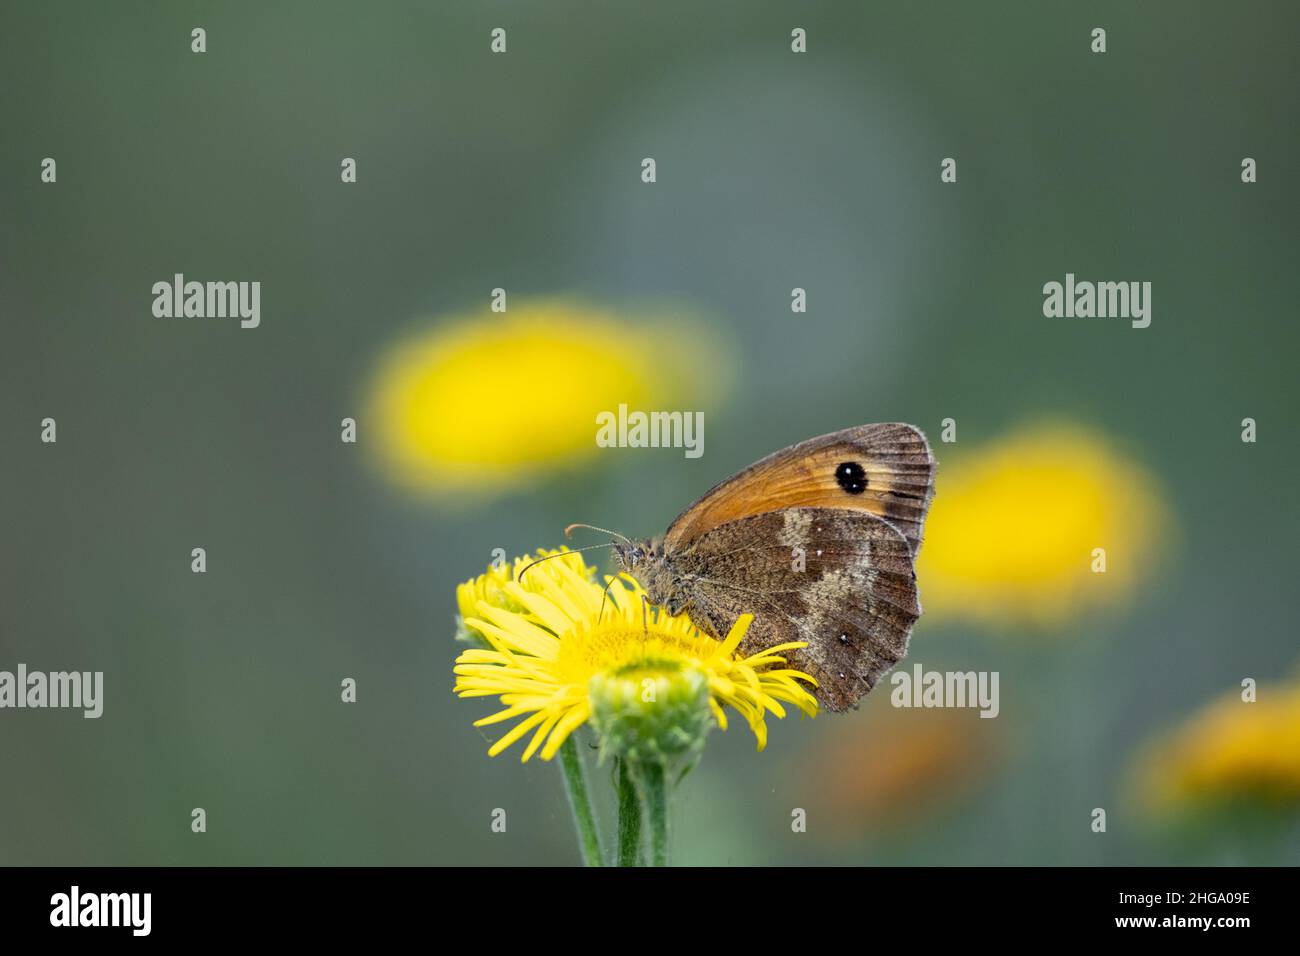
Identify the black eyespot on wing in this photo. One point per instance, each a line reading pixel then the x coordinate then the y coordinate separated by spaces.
pixel 852 477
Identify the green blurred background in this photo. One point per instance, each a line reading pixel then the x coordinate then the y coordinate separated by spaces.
pixel 478 171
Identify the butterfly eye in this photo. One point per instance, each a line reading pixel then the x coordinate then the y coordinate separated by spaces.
pixel 852 477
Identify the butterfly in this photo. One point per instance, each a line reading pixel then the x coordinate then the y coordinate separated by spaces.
pixel 817 541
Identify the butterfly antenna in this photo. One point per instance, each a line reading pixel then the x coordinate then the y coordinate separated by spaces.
pixel 557 554
pixel 613 534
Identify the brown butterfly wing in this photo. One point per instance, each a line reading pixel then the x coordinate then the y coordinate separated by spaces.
pixel 853 598
pixel 888 471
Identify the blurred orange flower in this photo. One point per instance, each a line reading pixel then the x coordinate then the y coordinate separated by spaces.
pixel 902 764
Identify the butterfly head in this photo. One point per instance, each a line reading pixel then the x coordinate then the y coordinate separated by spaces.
pixel 647 562
pixel 634 556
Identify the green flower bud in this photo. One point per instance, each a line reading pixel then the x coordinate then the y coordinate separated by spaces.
pixel 653 711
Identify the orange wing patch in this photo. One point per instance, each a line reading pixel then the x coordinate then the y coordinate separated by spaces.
pixel 886 470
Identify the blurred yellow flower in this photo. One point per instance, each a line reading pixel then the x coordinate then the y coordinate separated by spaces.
pixel 1230 751
pixel 571 654
pixel 1013 532
pixel 488 401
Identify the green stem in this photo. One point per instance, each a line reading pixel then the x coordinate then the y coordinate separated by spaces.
pixel 656 800
pixel 629 816
pixel 575 784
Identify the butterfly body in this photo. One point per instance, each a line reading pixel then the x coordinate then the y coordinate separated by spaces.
pixel 817 541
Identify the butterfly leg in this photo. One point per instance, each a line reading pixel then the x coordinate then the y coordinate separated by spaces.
pixel 604 596
pixel 645 615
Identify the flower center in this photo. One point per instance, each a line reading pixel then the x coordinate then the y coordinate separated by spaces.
pixel 614 649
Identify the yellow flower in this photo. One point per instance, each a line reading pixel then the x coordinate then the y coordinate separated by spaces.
pixel 1013 532
pixel 1231 751
pixel 557 662
pixel 485 402
pixel 491 586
